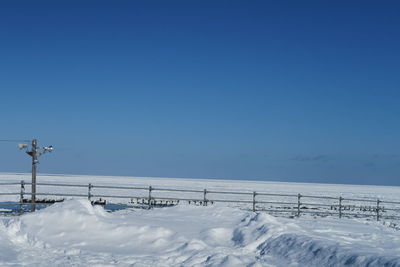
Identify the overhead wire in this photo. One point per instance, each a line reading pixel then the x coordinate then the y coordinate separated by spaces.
pixel 13 140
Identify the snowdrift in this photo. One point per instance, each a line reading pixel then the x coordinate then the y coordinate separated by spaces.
pixel 76 225
pixel 290 243
pixel 77 233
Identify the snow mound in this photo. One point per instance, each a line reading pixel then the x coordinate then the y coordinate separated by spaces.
pixel 76 224
pixel 300 247
pixel 310 252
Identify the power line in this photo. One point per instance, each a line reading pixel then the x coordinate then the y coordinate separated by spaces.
pixel 13 140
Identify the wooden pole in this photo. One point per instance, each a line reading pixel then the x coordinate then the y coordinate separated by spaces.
pixel 34 162
pixel 254 201
pixel 298 205
pixel 377 209
pixel 149 201
pixel 21 196
pixel 90 192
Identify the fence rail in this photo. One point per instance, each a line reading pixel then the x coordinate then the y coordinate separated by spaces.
pixel 295 204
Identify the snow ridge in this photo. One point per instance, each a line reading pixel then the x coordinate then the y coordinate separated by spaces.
pixel 288 243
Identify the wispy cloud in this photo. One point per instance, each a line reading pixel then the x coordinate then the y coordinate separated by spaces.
pixel 369 164
pixel 312 158
pixel 386 156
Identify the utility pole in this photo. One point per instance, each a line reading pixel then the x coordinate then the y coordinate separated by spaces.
pixel 34 162
pixel 35 154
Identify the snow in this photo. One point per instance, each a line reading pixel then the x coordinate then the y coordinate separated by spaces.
pixel 75 233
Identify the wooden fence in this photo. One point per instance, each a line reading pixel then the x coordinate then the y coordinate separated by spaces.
pixel 274 203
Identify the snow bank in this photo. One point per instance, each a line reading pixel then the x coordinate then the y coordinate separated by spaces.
pixel 300 245
pixel 76 233
pixel 76 224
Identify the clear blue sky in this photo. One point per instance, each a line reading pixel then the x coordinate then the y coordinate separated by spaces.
pixel 303 91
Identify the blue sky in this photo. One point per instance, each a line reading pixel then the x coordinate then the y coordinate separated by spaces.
pixel 304 91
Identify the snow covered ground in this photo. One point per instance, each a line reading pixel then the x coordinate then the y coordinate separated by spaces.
pixel 75 233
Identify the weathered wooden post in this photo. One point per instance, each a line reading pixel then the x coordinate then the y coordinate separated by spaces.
pixel 377 209
pixel 340 206
pixel 90 191
pixel 205 197
pixel 254 201
pixel 298 204
pixel 21 195
pixel 149 200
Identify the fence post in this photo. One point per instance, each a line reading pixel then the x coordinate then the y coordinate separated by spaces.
pixel 21 195
pixel 205 198
pixel 89 191
pixel 340 206
pixel 254 201
pixel 377 209
pixel 298 205
pixel 149 201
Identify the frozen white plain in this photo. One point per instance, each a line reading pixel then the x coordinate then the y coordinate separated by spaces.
pixel 75 233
